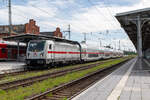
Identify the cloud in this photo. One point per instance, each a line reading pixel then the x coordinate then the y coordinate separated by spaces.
pixel 83 16
pixel 122 2
pixel 22 13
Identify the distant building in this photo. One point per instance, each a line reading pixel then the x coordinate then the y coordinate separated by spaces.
pixel 56 33
pixel 30 27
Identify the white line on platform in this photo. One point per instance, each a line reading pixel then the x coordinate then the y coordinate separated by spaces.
pixel 118 89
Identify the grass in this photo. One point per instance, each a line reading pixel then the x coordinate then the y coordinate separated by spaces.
pixel 23 92
pixel 9 78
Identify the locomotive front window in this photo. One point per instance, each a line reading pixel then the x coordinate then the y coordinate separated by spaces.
pixel 50 46
pixel 36 46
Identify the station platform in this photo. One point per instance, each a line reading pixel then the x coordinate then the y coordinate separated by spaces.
pixel 130 82
pixel 11 66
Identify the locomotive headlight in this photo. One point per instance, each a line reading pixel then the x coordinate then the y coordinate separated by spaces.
pixel 42 54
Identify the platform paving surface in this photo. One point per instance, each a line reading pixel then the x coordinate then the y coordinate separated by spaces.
pixel 9 65
pixel 136 86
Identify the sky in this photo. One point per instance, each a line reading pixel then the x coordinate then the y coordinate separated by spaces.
pixel 95 18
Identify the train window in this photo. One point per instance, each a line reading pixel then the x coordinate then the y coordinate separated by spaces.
pixel 50 46
pixel 3 50
pixel 92 55
pixel 36 46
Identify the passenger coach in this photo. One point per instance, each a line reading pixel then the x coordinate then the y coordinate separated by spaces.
pixel 9 51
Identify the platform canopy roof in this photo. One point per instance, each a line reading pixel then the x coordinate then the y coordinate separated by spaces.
pixel 25 38
pixel 128 21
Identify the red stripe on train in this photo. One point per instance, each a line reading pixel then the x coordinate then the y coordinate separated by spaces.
pixel 58 52
pixel 74 52
pixel 62 52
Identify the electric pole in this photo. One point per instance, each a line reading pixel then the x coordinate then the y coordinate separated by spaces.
pixel 119 45
pixel 100 42
pixel 10 16
pixel 69 31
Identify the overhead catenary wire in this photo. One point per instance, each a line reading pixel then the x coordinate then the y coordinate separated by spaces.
pixel 42 10
pixel 87 18
pixel 45 11
pixel 72 8
pixel 27 18
pixel 22 15
pixel 111 12
pixel 115 24
pixel 111 24
pixel 100 13
pixel 39 8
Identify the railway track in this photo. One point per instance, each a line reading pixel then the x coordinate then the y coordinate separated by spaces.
pixel 20 71
pixel 31 80
pixel 73 88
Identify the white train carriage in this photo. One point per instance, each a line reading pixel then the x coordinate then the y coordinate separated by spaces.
pixel 107 53
pixel 113 53
pixel 90 53
pixel 49 52
pixel 120 53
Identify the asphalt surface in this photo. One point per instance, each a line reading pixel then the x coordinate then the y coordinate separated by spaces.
pixel 11 66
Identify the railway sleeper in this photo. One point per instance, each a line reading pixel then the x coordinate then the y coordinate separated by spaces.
pixel 65 95
pixel 58 96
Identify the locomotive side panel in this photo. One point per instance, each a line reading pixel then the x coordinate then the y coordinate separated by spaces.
pixel 66 52
pixel 59 51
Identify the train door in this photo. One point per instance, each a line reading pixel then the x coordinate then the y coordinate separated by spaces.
pixel 50 51
pixel 3 53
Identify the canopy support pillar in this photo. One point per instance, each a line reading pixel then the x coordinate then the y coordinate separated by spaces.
pixel 139 37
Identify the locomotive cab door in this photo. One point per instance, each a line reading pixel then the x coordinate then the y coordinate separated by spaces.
pixel 50 53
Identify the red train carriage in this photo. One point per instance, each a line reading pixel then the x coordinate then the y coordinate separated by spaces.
pixel 9 51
